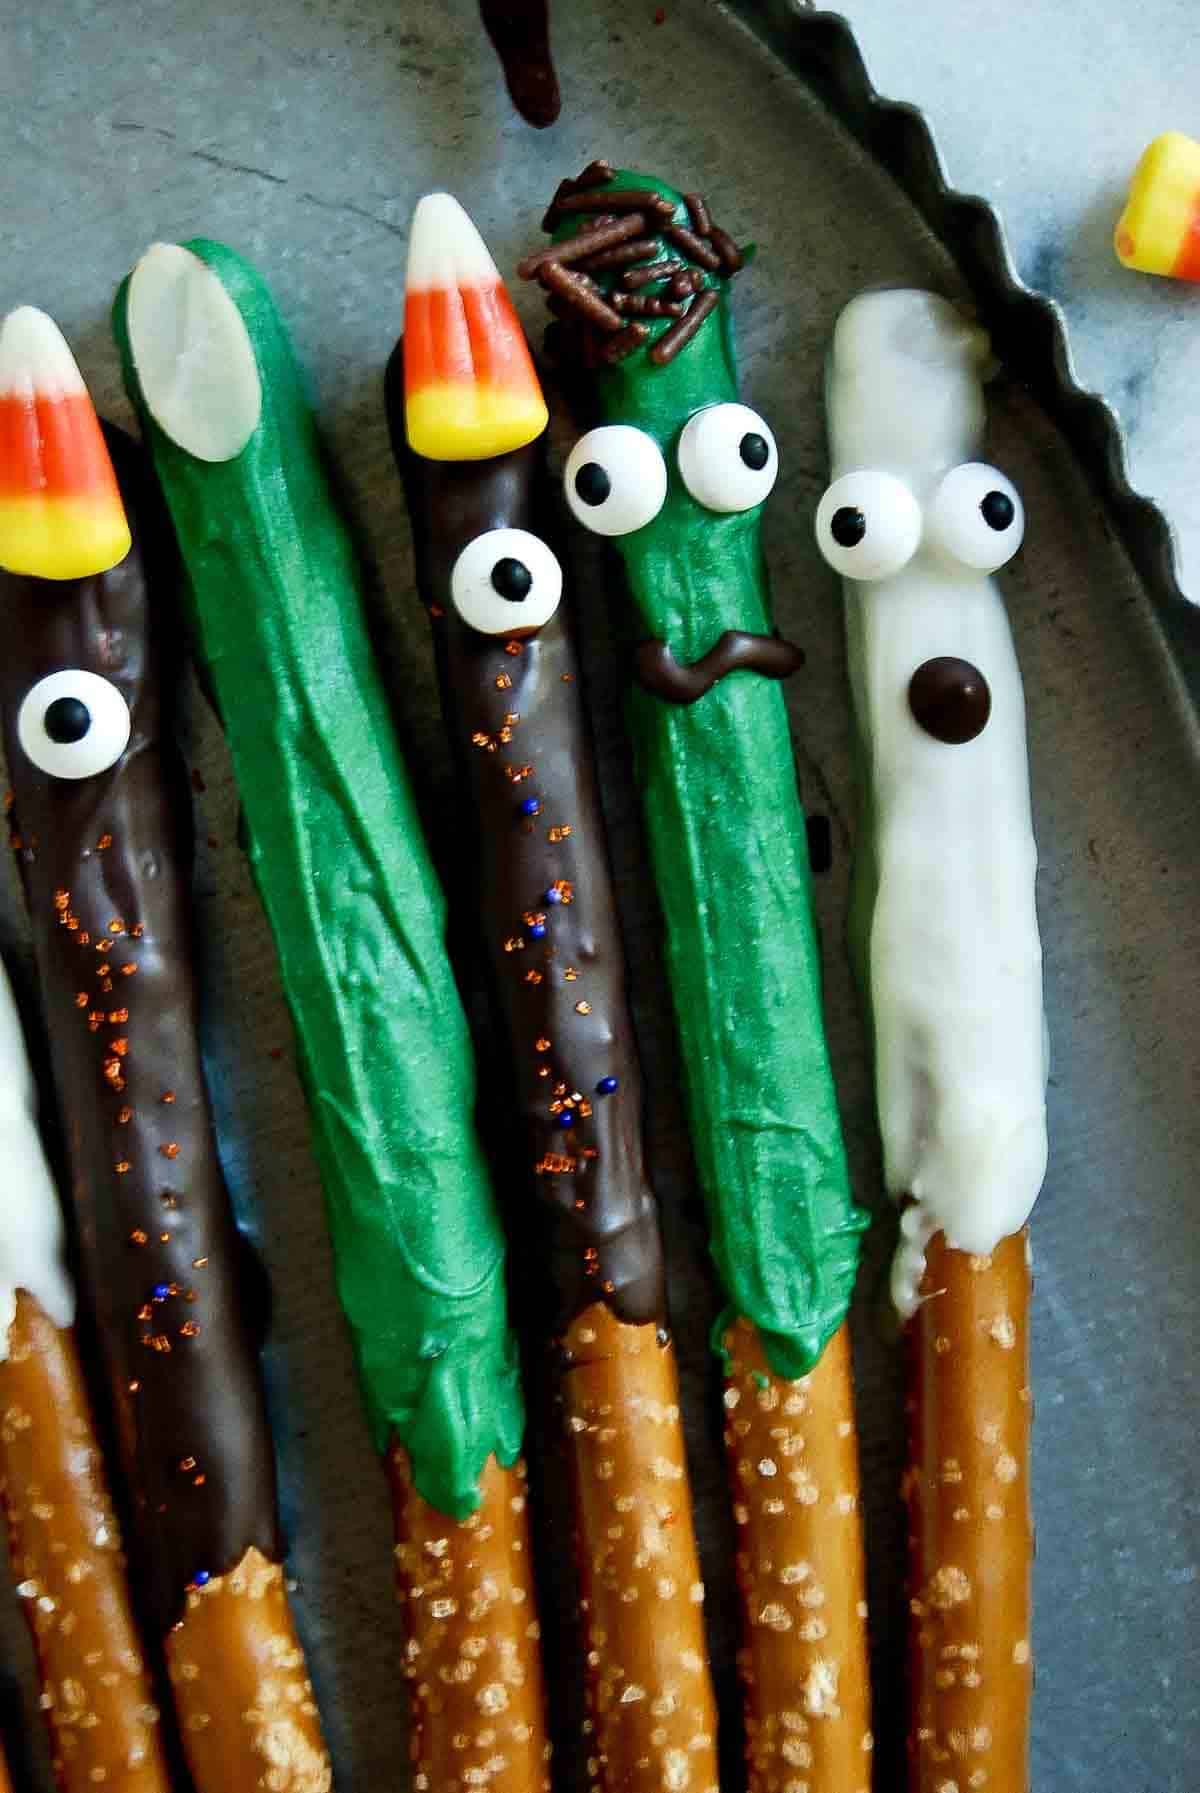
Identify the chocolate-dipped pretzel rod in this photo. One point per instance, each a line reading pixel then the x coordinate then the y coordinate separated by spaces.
pixel 64 1545
pixel 512 703
pixel 946 936
pixel 358 919
pixel 102 837
pixel 676 475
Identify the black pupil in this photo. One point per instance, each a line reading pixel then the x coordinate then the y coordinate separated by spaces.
pixel 848 526
pixel 998 510
pixel 592 483
pixel 512 579
pixel 67 719
pixel 754 451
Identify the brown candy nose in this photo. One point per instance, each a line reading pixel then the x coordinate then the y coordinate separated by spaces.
pixel 950 699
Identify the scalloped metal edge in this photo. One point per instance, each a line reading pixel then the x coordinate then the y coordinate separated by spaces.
pixel 1027 328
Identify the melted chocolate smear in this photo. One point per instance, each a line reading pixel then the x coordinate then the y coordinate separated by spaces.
pixel 950 699
pixel 658 671
pixel 520 32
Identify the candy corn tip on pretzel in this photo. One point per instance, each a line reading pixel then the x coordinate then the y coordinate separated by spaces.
pixel 470 387
pixel 61 515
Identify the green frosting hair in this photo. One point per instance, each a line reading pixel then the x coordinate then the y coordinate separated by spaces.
pixel 728 842
pixel 345 878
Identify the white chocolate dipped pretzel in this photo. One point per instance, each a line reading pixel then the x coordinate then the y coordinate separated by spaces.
pixel 949 941
pixel 31 1223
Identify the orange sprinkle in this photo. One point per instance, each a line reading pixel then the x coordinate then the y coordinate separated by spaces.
pixel 120 1046
pixel 199 1263
pixel 62 899
pixel 560 833
pixel 171 1149
pixel 95 1020
pixel 187 1464
pixel 138 930
pixel 517 774
pixel 116 1016
pixel 133 1387
pixel 116 925
pixel 189 1329
pixel 583 1008
pixel 503 682
pixel 81 999
pixel 84 939
pixel 199 1481
pixel 124 1116
pixel 104 946
pixel 145 1312
pixel 533 977
pixel 479 739
pixel 569 974
pixel 168 1096
pixel 565 889
pixel 138 1236
pixel 121 1166
pixel 541 1044
pixel 514 648
pixel 514 944
pixel 104 841
pixel 128 969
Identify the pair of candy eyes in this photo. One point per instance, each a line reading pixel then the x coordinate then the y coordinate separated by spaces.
pixel 869 524
pixel 616 476
pixel 508 582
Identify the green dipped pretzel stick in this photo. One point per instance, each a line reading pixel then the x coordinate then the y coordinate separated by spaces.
pixel 358 917
pixel 676 474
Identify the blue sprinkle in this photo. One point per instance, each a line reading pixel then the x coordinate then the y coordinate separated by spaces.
pixel 161 1291
pixel 531 806
pixel 565 1119
pixel 553 896
pixel 537 930
pixel 201 1578
pixel 606 1086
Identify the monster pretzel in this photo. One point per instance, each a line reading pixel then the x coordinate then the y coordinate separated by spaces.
pixel 102 830
pixel 945 931
pixel 675 475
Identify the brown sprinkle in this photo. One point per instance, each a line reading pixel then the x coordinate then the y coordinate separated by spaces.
pixel 646 276
pixel 645 305
pixel 731 256
pixel 698 213
pixel 603 237
pixel 581 293
pixel 694 247
pixel 681 333
pixel 631 199
pixel 631 338
pixel 636 249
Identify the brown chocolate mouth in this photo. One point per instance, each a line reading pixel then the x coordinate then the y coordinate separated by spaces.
pixel 659 672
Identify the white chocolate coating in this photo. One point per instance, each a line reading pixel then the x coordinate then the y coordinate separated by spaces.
pixel 952 953
pixel 31 1224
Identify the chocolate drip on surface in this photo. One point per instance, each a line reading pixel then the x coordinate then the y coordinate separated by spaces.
pixel 546 900
pixel 105 864
pixel 520 34
pixel 659 672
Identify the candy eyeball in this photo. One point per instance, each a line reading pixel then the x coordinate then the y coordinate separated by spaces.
pixel 868 525
pixel 976 517
pixel 506 582
pixel 615 479
pixel 728 458
pixel 73 724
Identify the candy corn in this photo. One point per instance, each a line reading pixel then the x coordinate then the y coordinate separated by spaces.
pixel 1159 230
pixel 470 390
pixel 61 515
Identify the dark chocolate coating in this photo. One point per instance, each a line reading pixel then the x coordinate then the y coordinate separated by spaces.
pixel 105 863
pixel 950 699
pixel 520 33
pixel 508 711
pixel 658 671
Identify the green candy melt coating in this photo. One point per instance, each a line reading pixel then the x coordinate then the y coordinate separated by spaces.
pixel 727 838
pixel 358 916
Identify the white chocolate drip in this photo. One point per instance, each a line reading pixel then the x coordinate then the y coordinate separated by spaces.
pixel 31 1229
pixel 953 954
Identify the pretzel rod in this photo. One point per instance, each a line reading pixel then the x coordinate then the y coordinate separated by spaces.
pixel 512 705
pixel 358 920
pixel 945 929
pixel 472 1658
pixel 969 1520
pixel 676 474
pixel 101 819
pixel 794 1471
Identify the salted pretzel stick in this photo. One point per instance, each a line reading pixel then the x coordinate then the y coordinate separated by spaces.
pixel 358 918
pixel 64 1545
pixel 676 474
pixel 101 817
pixel 945 929
pixel 512 704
